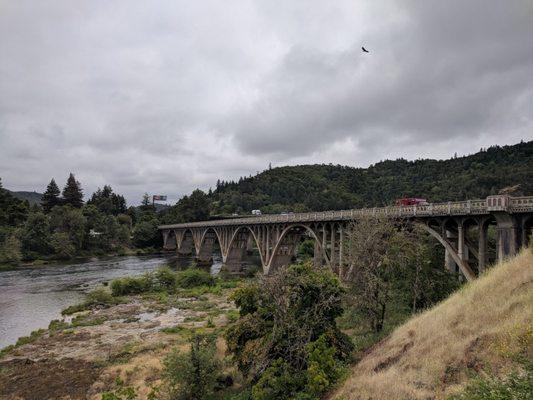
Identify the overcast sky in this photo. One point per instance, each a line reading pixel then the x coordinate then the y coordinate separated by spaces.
pixel 166 96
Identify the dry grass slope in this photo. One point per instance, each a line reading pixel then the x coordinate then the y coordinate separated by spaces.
pixel 480 328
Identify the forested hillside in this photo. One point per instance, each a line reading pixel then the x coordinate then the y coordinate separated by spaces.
pixel 329 187
pixel 32 197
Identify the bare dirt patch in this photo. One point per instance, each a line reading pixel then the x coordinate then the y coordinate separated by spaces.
pixel 46 379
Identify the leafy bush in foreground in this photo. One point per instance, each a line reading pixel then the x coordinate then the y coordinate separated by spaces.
pixel 286 341
pixel 193 375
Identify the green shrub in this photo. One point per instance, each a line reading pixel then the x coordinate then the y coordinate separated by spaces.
pixel 165 279
pixel 517 385
pixel 194 277
pixel 99 296
pixel 286 341
pixel 192 376
pixel 131 285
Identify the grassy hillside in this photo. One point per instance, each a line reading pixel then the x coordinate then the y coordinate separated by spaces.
pixel 328 187
pixel 482 329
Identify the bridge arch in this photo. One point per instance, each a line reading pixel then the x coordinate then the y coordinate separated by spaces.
pixel 205 241
pixel 260 246
pixel 170 240
pixel 465 268
pixel 274 263
pixel 185 242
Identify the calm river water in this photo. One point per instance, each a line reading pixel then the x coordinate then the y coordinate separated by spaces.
pixel 31 297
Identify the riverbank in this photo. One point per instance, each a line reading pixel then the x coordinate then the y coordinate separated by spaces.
pixel 82 355
pixel 124 252
pixel 31 297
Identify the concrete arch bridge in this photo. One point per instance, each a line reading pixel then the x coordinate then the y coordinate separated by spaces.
pixel 461 227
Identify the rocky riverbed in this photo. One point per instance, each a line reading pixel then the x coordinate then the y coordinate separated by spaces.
pixel 80 356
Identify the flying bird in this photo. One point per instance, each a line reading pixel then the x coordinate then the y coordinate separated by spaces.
pixel 365 50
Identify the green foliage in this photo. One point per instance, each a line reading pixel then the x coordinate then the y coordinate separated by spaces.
pixel 107 202
pixel 322 368
pixel 189 208
pixel 286 339
pixel 72 193
pixel 515 386
pixel 146 234
pixel 62 245
pixel 307 249
pixel 131 285
pixel 246 298
pixel 11 251
pixel 192 376
pixel 92 228
pixel 194 277
pixel 279 381
pixel 36 235
pixel 50 197
pixel 13 212
pixel 165 279
pixel 335 187
pixel 96 297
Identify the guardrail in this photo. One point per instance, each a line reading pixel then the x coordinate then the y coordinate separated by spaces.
pixel 468 207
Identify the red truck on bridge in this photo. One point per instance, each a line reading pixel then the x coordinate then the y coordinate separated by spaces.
pixel 411 201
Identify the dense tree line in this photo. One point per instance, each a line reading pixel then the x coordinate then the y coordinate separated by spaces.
pixel 64 226
pixel 333 187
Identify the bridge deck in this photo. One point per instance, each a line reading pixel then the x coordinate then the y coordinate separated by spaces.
pixel 453 208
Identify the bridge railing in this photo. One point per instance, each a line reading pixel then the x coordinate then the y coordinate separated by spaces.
pixel 475 207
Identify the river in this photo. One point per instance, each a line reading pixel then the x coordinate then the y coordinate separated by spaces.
pixel 31 297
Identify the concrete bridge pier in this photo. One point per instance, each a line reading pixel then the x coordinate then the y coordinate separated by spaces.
pixel 449 262
pixel 234 259
pixel 186 246
pixel 482 257
pixel 204 255
pixel 508 239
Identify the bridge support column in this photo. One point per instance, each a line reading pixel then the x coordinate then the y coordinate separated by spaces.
pixel 318 255
pixel 482 247
pixel 341 251
pixel 187 244
pixel 448 258
pixel 234 262
pixel 204 256
pixel 508 238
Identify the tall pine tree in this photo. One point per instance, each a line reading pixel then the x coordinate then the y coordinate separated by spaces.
pixel 50 198
pixel 72 193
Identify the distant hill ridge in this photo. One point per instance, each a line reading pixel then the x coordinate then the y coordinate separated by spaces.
pixel 32 197
pixel 329 187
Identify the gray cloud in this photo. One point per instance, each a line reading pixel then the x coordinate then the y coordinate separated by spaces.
pixel 165 97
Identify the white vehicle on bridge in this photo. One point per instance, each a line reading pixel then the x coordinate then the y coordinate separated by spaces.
pixel 256 212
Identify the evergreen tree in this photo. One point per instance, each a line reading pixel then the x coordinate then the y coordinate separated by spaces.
pixel 107 201
pixel 72 193
pixel 51 196
pixel 146 204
